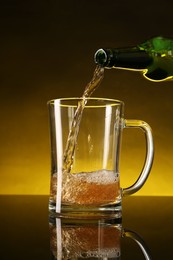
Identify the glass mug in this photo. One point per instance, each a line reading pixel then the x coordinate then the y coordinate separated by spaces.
pixel 92 187
pixel 96 239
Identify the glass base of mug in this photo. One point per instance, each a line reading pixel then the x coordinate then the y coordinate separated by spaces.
pixel 87 212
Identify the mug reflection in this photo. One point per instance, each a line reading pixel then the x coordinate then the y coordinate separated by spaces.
pixel 74 239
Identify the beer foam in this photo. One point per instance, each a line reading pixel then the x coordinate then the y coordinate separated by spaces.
pixel 98 177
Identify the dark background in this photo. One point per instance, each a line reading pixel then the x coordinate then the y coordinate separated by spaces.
pixel 46 52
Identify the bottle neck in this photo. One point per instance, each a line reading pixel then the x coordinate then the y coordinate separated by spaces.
pixel 130 58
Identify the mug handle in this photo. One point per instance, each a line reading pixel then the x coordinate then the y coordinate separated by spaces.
pixel 134 236
pixel 130 123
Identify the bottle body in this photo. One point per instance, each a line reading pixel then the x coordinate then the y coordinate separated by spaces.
pixel 154 58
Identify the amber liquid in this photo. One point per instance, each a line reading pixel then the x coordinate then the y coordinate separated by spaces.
pixel 85 188
pixel 88 188
pixel 73 134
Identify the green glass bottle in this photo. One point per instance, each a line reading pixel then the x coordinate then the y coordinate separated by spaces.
pixel 154 58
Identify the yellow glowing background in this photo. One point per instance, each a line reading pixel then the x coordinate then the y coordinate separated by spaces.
pixel 47 50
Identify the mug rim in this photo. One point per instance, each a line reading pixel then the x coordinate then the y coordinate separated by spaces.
pixel 108 102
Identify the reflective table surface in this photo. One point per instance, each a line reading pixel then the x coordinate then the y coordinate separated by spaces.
pixel 27 232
